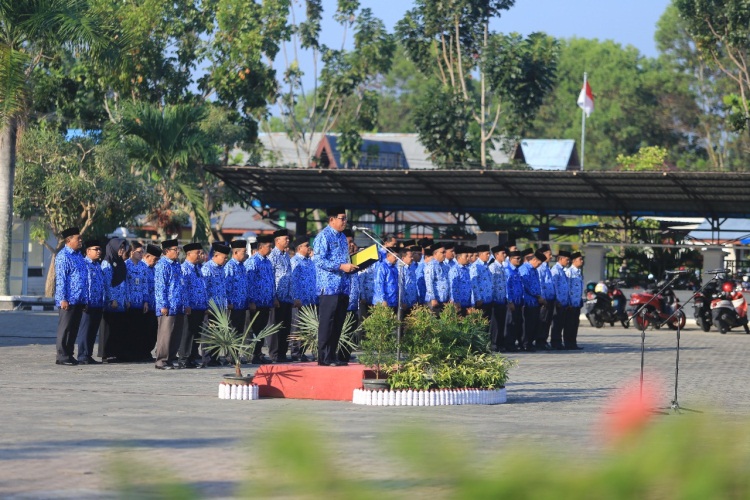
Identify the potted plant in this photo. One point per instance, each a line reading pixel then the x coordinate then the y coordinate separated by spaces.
pixel 378 345
pixel 220 338
pixel 306 331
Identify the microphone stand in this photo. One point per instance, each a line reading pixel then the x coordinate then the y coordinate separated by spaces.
pixel 674 405
pixel 398 274
pixel 642 312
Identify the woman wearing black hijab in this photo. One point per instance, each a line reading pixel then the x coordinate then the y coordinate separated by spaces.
pixel 113 345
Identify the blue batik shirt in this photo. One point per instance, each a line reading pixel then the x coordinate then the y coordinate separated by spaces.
pixel 514 285
pixel 531 287
pixel 169 285
pixel 304 287
pixel 196 296
pixel 215 282
pixel 421 288
pixel 436 282
pixel 460 280
pixel 236 281
pixel 562 285
pixel 70 277
pixel 367 283
pixel 118 293
pixel 409 286
pixel 261 281
pixel 95 288
pixel 499 282
pixel 545 281
pixel 136 279
pixel 330 251
pixel 576 285
pixel 355 292
pixel 386 284
pixel 151 287
pixel 481 282
pixel 282 270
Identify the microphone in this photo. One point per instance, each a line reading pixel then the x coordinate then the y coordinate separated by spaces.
pixel 717 271
pixel 677 271
pixel 357 228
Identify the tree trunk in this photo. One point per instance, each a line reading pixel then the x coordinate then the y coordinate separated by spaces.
pixel 7 172
pixel 50 282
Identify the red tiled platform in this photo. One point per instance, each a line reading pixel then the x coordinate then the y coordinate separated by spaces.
pixel 310 381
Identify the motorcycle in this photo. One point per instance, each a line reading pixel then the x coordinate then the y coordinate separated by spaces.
pixel 663 309
pixel 606 304
pixel 729 309
pixel 702 305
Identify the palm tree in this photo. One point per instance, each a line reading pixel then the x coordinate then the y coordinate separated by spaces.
pixel 168 148
pixel 30 32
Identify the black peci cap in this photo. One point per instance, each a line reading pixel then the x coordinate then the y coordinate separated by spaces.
pixel 71 231
pixel 169 244
pixel 221 248
pixel 334 211
pixel 238 244
pixel 153 250
pixel 192 246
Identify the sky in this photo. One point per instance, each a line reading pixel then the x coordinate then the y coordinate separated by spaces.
pixel 628 22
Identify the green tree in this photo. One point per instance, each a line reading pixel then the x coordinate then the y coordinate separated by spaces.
pixel 450 40
pixel 74 183
pixel 30 31
pixel 647 158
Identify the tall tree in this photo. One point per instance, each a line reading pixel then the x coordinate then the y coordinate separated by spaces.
pixel 450 39
pixel 29 31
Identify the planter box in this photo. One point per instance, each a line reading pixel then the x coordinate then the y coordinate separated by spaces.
pixel 243 392
pixel 435 397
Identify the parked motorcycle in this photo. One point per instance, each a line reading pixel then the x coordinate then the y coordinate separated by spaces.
pixel 729 309
pixel 606 304
pixel 702 305
pixel 659 310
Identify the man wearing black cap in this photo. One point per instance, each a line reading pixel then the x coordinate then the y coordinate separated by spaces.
pixel 514 287
pixel 548 293
pixel 426 258
pixel 261 292
pixel 437 284
pixel 197 301
pixel 92 313
pixel 151 325
pixel 499 299
pixel 304 287
pixel 278 344
pixel 136 298
pixel 450 254
pixel 332 265
pixel 532 299
pixel 562 299
pixel 71 280
pixel 216 287
pixel 236 280
pixel 481 281
pixel 570 333
pixel 169 287
pixel 460 280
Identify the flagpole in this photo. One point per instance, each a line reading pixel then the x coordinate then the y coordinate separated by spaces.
pixel 583 126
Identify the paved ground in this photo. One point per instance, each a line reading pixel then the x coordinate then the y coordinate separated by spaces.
pixel 62 426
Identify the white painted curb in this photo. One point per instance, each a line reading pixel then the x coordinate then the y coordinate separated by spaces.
pixel 435 397
pixel 241 392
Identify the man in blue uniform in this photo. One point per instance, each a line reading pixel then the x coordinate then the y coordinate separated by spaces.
pixel 499 299
pixel 216 287
pixel 92 313
pixel 304 288
pixel 437 286
pixel 331 257
pixel 261 292
pixel 548 293
pixel 514 287
pixel 137 305
pixel 408 277
pixel 169 287
pixel 386 282
pixel 562 299
pixel 71 281
pixel 460 280
pixel 278 344
pixel 532 299
pixel 236 276
pixel 570 332
pixel 151 325
pixel 196 298
pixel 481 281
pixel 450 254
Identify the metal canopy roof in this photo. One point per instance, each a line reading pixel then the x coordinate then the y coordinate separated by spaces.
pixel 678 194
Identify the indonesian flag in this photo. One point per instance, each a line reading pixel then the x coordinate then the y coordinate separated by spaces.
pixel 586 99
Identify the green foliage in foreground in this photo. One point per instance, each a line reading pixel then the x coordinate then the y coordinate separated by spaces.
pixel 685 457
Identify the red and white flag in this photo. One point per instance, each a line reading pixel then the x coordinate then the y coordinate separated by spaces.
pixel 586 99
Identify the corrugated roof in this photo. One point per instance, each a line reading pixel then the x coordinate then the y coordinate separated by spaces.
pixel 728 230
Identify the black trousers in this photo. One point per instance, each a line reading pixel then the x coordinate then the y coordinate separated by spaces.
pixel 514 327
pixel 112 335
pixel 150 328
pixel 530 325
pixel 68 323
pixel 497 326
pixel 278 343
pixel 558 324
pixel 570 332
pixel 188 350
pixel 261 321
pixel 132 348
pixel 545 321
pixel 487 310
pixel 237 319
pixel 87 331
pixel 332 310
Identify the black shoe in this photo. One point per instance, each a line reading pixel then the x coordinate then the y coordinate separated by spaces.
pixel 110 360
pixel 185 365
pixel 212 362
pixel 67 362
pixel 529 348
pixel 166 366
pixel 89 361
pixel 305 359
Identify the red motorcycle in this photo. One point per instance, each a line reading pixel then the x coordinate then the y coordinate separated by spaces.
pixel 729 309
pixel 664 309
